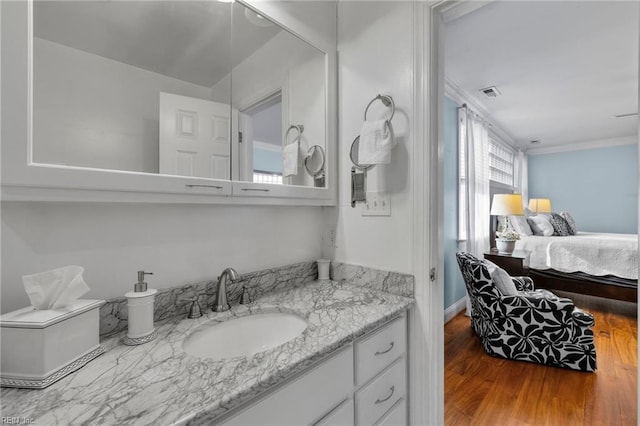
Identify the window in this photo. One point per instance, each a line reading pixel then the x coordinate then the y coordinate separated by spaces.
pixel 500 173
pixel 500 163
pixel 266 177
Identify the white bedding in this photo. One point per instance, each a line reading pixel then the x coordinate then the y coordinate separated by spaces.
pixel 589 252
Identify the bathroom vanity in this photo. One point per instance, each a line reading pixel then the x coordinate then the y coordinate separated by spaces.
pixel 348 367
pixel 368 376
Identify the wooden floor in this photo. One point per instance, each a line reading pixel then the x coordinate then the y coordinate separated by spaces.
pixel 483 390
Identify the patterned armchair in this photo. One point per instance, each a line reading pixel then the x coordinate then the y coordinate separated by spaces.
pixel 534 325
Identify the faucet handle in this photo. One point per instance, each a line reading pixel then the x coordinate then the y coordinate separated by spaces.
pixel 195 311
pixel 245 299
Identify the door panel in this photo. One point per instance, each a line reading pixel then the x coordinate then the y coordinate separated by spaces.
pixel 194 137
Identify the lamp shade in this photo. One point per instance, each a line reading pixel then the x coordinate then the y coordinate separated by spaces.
pixel 507 205
pixel 540 205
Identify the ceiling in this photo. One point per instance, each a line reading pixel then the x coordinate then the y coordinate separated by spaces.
pixel 187 40
pixel 564 69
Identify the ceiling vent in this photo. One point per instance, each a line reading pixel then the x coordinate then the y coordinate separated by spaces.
pixel 536 142
pixel 490 92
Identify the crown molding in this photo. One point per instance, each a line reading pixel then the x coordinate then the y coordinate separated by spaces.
pixel 578 146
pixel 457 10
pixel 461 96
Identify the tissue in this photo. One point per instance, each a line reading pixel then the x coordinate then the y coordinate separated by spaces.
pixel 56 288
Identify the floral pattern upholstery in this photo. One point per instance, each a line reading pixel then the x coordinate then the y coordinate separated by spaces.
pixel 534 325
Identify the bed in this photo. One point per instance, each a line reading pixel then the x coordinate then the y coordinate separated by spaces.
pixel 598 264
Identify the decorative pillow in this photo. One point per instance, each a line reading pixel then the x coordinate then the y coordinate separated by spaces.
pixel 540 225
pixel 520 225
pixel 501 279
pixel 560 226
pixel 573 230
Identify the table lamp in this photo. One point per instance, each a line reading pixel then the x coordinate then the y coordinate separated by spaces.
pixel 504 205
pixel 540 205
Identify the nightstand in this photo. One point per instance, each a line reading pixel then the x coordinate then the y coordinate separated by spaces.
pixel 516 264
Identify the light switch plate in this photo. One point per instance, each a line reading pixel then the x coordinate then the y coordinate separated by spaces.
pixel 377 204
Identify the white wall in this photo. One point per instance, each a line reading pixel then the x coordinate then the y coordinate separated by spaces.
pixel 92 111
pixel 284 63
pixel 375 50
pixel 179 244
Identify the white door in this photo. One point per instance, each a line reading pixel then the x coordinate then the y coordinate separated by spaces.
pixel 245 147
pixel 194 137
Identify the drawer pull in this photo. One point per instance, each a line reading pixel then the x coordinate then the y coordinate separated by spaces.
pixel 256 189
pixel 203 186
pixel 384 352
pixel 380 401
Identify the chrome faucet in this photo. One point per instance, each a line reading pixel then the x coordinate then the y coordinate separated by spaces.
pixel 222 304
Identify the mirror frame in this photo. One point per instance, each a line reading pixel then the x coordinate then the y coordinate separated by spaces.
pixel 24 180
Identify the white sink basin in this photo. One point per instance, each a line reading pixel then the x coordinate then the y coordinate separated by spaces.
pixel 243 336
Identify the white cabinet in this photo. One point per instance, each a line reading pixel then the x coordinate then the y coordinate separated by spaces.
pixel 377 397
pixel 381 374
pixel 377 350
pixel 329 394
pixel 342 415
pixel 396 416
pixel 305 399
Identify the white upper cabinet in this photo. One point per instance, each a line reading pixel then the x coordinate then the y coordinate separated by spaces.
pixel 169 101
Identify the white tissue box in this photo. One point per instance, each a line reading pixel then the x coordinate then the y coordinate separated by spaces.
pixel 39 347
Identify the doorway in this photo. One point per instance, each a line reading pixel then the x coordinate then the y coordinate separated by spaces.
pixel 261 141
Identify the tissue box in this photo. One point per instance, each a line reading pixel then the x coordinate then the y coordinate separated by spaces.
pixel 39 348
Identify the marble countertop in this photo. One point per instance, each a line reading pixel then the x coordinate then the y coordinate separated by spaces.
pixel 158 383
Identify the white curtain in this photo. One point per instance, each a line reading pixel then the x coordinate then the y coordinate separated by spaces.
pixel 474 136
pixel 521 176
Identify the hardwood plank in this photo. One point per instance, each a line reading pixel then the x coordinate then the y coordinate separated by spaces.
pixel 483 390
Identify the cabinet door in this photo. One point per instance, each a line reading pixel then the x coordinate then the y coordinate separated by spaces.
pixel 305 399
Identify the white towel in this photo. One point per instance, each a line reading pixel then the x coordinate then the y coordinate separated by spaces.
pixel 376 142
pixel 290 159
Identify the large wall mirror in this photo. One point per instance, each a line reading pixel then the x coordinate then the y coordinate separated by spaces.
pixel 189 88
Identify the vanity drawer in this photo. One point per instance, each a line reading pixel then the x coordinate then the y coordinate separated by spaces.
pixel 340 416
pixel 375 399
pixel 397 416
pixel 377 351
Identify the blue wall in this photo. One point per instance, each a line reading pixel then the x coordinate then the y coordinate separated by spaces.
pixel 599 187
pixel 453 284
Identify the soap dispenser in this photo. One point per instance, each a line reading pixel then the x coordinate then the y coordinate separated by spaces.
pixel 140 306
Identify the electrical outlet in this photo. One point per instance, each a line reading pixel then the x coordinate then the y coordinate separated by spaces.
pixel 377 204
pixel 330 236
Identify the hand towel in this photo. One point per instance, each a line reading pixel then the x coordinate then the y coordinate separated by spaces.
pixel 290 159
pixel 376 142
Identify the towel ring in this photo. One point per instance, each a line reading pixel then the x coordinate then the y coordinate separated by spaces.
pixel 386 101
pixel 353 154
pixel 315 156
pixel 298 127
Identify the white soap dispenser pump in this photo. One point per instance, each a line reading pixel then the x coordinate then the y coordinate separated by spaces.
pixel 140 306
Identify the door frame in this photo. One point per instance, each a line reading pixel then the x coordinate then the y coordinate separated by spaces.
pixel 427 317
pixel 427 322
